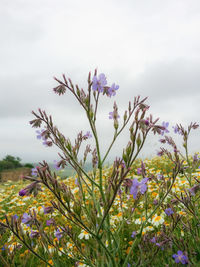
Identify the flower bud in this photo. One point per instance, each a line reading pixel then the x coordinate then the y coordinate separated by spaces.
pixel 77 208
pixel 138 140
pixel 116 124
pixel 125 115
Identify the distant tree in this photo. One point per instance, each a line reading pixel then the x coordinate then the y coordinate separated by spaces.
pixel 10 162
pixel 15 161
pixel 5 165
pixel 28 165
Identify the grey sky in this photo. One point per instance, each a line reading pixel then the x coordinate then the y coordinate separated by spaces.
pixel 151 48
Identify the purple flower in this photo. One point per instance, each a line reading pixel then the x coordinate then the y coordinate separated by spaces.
pixel 50 221
pixel 153 240
pixel 15 217
pixel 34 234
pixel 99 83
pixel 22 192
pixel 180 257
pixel 47 143
pixel 133 234
pixel 58 233
pixel 39 134
pixel 112 115
pixel 34 172
pixel 55 165
pixel 138 187
pixel 48 209
pixel 87 135
pixel 31 188
pixel 112 89
pixel 26 219
pixel 139 171
pixel 193 190
pixel 160 153
pixel 169 211
pixel 176 130
pixel 165 125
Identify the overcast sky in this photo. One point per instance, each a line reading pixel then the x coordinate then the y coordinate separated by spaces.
pixel 148 47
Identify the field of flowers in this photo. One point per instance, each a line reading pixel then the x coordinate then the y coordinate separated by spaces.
pixel 132 213
pixel 170 237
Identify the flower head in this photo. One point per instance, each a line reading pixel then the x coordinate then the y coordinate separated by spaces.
pixel 169 211
pixel 176 129
pixel 34 234
pixel 133 234
pixel 34 171
pixel 31 188
pixel 84 234
pixel 180 257
pixel 58 233
pixel 50 221
pixel 48 209
pixel 112 90
pixel 113 115
pixel 99 83
pixel 87 135
pixel 26 219
pixel 193 190
pixel 165 126
pixel 39 134
pixel 55 165
pixel 138 187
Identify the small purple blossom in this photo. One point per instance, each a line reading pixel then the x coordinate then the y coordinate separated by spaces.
pixel 153 240
pixel 139 171
pixel 160 153
pixel 169 212
pixel 99 83
pixel 26 219
pixel 34 234
pixel 47 143
pixel 193 190
pixel 138 187
pixel 22 192
pixel 48 209
pixel 112 115
pixel 87 135
pixel 176 129
pixel 50 221
pixel 58 234
pixel 31 189
pixel 180 257
pixel 133 234
pixel 165 125
pixel 34 171
pixel 15 217
pixel 112 90
pixel 55 165
pixel 39 134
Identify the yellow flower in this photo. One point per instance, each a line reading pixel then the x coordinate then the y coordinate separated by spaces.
pixel 50 262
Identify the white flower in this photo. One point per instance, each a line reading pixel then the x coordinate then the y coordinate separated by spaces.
pixel 84 234
pixel 75 190
pixel 157 220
